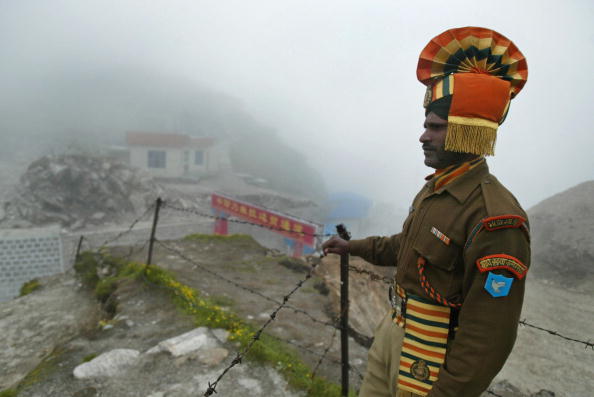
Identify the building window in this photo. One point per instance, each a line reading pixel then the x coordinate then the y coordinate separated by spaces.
pixel 156 159
pixel 198 157
pixel 186 156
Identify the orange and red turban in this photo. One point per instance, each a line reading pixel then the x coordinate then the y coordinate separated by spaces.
pixel 477 72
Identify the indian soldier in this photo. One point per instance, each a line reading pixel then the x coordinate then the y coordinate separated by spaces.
pixel 462 256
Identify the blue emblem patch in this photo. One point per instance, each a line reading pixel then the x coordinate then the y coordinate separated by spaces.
pixel 498 285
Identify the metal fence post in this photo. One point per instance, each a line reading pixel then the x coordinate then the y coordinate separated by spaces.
pixel 154 230
pixel 344 312
pixel 78 247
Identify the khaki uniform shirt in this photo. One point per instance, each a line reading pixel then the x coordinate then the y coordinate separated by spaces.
pixel 487 325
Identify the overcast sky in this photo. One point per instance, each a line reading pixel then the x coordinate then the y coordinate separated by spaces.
pixel 336 78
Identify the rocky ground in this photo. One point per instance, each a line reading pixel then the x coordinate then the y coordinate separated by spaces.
pixel 145 318
pixel 60 326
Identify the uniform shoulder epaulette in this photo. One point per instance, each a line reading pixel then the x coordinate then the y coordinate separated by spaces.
pixel 502 211
pixel 498 199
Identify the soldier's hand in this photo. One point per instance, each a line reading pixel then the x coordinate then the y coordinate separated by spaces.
pixel 335 245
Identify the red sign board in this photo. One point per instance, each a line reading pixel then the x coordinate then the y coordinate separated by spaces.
pixel 298 230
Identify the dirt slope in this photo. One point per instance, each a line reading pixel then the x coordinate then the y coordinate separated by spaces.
pixel 562 229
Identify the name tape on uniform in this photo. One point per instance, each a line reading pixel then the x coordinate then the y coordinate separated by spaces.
pixel 502 261
pixel 503 222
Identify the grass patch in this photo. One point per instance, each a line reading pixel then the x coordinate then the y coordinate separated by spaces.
pixel 8 393
pixel 89 357
pixel 27 288
pixel 44 370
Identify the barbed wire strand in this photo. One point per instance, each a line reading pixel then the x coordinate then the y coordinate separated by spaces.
pixel 134 249
pixel 247 289
pixel 243 222
pixel 555 333
pixel 238 358
pixel 132 225
pixel 323 356
pixel 372 275
pixel 315 353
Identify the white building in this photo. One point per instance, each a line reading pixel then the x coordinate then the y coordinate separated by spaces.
pixel 175 155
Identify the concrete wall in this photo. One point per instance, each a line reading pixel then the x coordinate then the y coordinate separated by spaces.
pixel 27 254
pixel 173 161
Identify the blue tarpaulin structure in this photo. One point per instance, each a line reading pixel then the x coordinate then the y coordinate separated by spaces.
pixel 345 206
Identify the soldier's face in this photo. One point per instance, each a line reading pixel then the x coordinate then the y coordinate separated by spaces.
pixel 433 140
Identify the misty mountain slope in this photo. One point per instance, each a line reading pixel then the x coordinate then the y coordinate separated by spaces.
pixel 84 107
pixel 562 229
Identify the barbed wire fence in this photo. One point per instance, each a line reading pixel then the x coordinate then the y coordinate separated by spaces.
pixel 141 245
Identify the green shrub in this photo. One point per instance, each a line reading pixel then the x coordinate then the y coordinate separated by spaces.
pixel 105 288
pixel 86 267
pixel 29 287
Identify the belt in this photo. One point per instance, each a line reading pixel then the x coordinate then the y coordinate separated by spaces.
pixel 397 299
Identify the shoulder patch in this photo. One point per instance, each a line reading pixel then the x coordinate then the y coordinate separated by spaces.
pixel 503 222
pixel 498 285
pixel 502 261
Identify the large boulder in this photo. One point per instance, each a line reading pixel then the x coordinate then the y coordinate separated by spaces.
pixel 111 363
pixel 76 190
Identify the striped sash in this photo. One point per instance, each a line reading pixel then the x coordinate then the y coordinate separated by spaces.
pixel 424 346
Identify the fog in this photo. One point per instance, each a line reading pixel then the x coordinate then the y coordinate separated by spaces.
pixel 334 79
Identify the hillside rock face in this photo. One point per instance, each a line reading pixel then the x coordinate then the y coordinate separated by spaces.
pixel 368 302
pixel 77 191
pixel 562 229
pixel 74 190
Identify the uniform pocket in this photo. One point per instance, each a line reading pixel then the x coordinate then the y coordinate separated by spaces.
pixel 437 248
pixel 441 256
